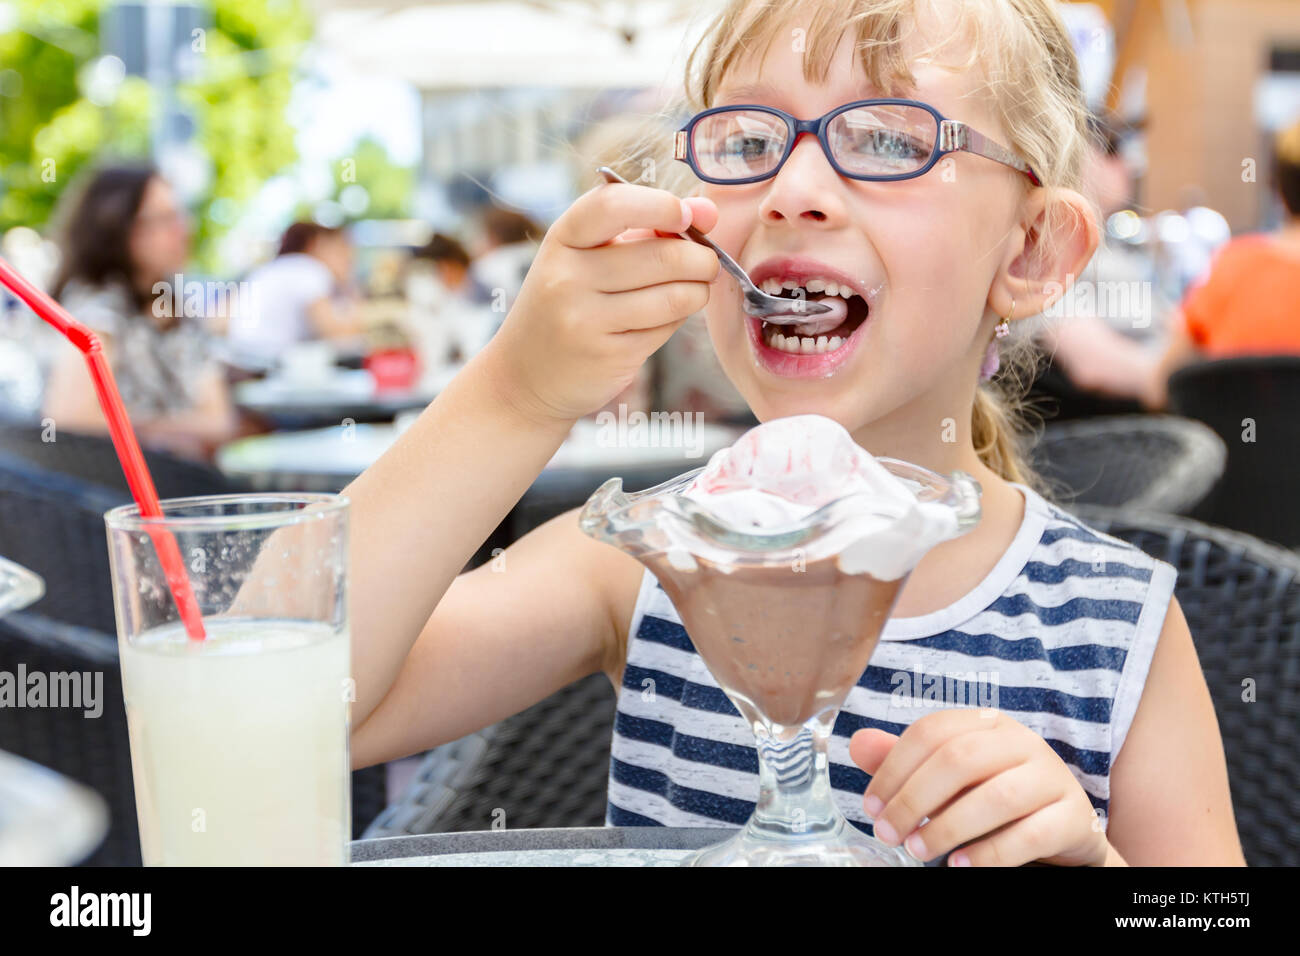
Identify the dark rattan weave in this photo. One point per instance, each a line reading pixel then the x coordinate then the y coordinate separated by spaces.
pixel 1160 463
pixel 1241 598
pixel 544 767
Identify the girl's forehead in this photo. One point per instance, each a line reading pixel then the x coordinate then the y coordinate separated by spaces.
pixel 934 40
pixel 781 83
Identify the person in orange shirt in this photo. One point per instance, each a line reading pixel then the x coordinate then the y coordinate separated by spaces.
pixel 1249 303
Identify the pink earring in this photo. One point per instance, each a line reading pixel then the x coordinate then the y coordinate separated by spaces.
pixel 992 361
pixel 1003 328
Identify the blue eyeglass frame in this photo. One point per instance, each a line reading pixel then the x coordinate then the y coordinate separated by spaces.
pixel 954 137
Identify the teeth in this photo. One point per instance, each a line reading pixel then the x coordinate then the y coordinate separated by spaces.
pixel 773 286
pixel 800 344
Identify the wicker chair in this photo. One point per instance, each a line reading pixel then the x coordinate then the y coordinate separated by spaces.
pixel 1157 463
pixel 93 459
pixel 544 767
pixel 1250 403
pixel 53 524
pixel 1241 598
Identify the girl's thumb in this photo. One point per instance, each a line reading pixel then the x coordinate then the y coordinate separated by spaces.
pixel 869 748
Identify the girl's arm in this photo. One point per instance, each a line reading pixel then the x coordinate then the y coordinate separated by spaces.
pixel 421 511
pixel 552 608
pixel 1169 798
pixel 602 296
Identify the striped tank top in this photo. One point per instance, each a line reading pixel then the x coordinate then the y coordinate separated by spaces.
pixel 1059 635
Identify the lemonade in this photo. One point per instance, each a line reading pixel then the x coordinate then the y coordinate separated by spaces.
pixel 239 743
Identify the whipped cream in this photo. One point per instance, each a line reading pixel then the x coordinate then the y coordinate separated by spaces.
pixel 777 475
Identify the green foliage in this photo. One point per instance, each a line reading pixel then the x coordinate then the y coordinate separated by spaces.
pixel 246 60
pixel 388 186
pixel 240 100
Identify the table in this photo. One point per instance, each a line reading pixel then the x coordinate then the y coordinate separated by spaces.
pixel 327 459
pixel 579 846
pixel 338 396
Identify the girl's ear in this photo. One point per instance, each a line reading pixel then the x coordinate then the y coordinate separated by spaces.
pixel 1052 253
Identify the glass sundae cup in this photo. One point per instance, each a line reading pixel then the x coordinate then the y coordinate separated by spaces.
pixel 784 557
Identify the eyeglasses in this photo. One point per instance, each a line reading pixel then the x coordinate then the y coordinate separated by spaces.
pixel 871 140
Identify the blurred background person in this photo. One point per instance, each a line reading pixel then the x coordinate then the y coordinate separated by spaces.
pixel 304 294
pixel 1249 301
pixel 449 311
pixel 1102 337
pixel 124 240
pixel 449 262
pixel 509 242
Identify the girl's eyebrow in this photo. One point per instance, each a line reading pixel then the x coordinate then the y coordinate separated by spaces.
pixel 763 93
pixel 747 91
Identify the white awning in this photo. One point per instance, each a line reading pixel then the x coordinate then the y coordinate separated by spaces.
pixel 460 44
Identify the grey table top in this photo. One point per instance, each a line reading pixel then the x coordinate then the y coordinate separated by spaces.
pixel 579 846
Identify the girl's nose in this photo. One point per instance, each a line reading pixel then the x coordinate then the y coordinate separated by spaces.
pixel 805 188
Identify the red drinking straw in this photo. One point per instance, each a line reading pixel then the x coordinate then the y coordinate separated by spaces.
pixel 119 427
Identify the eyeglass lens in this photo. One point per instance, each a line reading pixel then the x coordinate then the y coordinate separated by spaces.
pixel 881 140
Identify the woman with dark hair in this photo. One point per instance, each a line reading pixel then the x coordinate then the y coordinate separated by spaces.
pixel 124 240
pixel 295 295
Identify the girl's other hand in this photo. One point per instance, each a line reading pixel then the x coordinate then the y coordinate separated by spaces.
pixel 611 282
pixel 989 785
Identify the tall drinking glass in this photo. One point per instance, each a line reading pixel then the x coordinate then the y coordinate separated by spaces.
pixel 239 742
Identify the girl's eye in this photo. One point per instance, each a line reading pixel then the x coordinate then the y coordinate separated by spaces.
pixel 748 147
pixel 890 145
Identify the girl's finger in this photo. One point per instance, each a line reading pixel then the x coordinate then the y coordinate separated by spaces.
pixel 657 306
pixel 1024 841
pixel 917 743
pixel 704 216
pixel 649 340
pixel 963 763
pixel 1001 800
pixel 869 747
pixel 625 266
pixel 611 209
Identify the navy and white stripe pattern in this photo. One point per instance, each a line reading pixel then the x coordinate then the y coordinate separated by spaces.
pixel 1059 635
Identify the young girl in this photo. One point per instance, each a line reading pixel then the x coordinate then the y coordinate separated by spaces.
pixel 1105 749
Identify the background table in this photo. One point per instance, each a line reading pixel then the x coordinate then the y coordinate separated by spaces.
pixel 579 846
pixel 344 394
pixel 326 459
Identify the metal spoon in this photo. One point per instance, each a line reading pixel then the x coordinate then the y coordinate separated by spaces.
pixel 770 308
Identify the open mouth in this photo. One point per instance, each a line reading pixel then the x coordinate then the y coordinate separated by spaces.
pixel 823 333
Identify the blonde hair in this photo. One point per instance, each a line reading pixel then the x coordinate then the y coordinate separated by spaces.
pixel 1029 68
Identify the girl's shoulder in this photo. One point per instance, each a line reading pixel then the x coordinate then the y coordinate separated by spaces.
pixel 1082 553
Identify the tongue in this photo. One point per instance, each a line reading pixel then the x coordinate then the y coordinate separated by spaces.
pixel 824 321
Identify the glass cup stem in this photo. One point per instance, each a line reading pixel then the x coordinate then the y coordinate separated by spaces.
pixel 794 799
